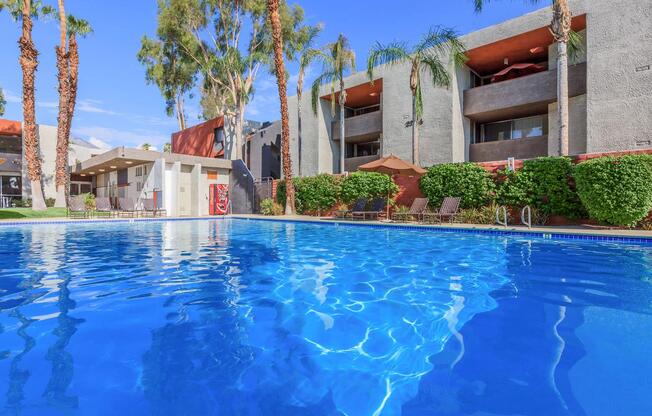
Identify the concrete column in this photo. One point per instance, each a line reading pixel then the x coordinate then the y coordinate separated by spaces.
pixel 195 191
pixel 172 190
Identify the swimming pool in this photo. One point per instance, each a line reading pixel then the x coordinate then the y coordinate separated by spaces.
pixel 238 317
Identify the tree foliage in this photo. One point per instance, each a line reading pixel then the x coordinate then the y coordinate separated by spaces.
pixel 367 185
pixel 337 59
pixel 3 102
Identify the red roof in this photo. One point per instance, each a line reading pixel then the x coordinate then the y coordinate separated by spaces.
pixel 10 128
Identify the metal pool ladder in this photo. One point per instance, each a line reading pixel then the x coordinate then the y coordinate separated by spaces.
pixel 503 210
pixel 527 221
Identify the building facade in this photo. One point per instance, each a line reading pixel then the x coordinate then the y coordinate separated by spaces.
pixel 502 103
pixel 263 151
pixel 14 180
pixel 181 184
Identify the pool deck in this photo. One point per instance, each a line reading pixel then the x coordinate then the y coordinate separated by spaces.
pixel 577 230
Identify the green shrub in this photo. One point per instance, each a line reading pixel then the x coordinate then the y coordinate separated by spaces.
pixel 483 215
pixel 616 190
pixel 89 201
pixel 22 203
pixel 514 188
pixel 49 202
pixel 366 185
pixel 269 207
pixel 466 180
pixel 316 193
pixel 549 186
pixel 281 192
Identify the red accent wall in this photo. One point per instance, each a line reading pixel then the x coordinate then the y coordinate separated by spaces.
pixel 197 140
pixel 10 128
pixel 408 189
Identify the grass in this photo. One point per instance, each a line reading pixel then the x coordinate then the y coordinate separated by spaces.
pixel 20 213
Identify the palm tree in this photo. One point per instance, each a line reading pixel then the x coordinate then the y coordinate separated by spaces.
pixel 29 63
pixel 145 146
pixel 68 69
pixel 306 57
pixel 567 41
pixel 279 65
pixel 337 59
pixel 167 148
pixel 424 57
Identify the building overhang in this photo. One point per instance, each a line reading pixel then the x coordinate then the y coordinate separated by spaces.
pixel 122 158
pixel 361 95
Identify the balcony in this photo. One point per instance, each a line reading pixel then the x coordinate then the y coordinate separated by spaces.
pixel 352 164
pixel 359 128
pixel 502 149
pixel 522 96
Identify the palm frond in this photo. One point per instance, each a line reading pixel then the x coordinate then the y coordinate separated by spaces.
pixel 575 45
pixel 438 71
pixel 392 54
pixel 326 77
pixel 77 26
pixel 443 41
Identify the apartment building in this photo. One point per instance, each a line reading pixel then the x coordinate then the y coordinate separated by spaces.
pixel 502 103
pixel 263 151
pixel 14 182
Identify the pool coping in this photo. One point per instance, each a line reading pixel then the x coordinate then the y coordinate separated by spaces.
pixel 547 233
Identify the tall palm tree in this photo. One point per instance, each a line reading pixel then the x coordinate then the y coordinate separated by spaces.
pixel 307 55
pixel 567 41
pixel 2 103
pixel 145 146
pixel 424 57
pixel 337 59
pixel 279 65
pixel 68 71
pixel 29 63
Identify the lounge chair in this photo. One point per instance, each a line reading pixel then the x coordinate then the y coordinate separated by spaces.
pixel 103 207
pixel 417 209
pixel 127 207
pixel 448 211
pixel 377 210
pixel 77 208
pixel 150 208
pixel 359 205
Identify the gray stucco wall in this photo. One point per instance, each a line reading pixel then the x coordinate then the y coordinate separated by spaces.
pixel 619 96
pixel 265 146
pixel 576 126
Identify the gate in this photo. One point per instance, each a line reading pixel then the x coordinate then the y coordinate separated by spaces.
pixel 263 189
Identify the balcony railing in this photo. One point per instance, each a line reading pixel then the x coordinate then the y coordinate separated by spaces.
pixel 527 148
pixel 506 98
pixel 359 127
pixel 352 164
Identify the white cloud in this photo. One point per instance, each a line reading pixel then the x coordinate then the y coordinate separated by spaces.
pixel 111 137
pixel 93 106
pixel 12 97
pixel 99 143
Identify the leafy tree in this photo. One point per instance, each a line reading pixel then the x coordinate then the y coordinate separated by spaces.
pixel 2 103
pixel 170 69
pixel 424 57
pixel 26 11
pixel 210 33
pixel 568 42
pixel 337 60
pixel 145 146
pixel 167 148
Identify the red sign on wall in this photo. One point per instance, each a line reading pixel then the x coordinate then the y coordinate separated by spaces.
pixel 218 198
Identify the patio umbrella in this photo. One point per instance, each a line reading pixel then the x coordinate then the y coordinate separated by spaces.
pixel 517 70
pixel 392 165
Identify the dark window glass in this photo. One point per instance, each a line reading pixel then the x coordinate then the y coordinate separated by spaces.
pixel 498 131
pixel 11 185
pixel 123 177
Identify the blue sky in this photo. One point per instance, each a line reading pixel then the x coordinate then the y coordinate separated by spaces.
pixel 117 107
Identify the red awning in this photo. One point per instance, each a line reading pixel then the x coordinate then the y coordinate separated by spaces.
pixel 517 70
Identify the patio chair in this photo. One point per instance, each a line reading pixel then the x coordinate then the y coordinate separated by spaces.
pixel 127 207
pixel 417 209
pixel 77 208
pixel 449 209
pixel 150 208
pixel 377 210
pixel 103 207
pixel 359 205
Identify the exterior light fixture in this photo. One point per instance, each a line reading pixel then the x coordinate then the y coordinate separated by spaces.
pixel 536 49
pixel 373 94
pixel 129 162
pixel 91 173
pixel 82 174
pixel 102 170
pixel 506 61
pixel 113 167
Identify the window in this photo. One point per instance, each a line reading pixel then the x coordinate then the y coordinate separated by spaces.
pixel 521 128
pixel 78 188
pixel 218 144
pixel 139 171
pixel 10 186
pixel 139 186
pixel 211 175
pixel 144 170
pixel 362 149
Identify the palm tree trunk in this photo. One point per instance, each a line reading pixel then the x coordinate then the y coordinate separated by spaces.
pixel 299 93
pixel 562 98
pixel 29 63
pixel 272 7
pixel 342 129
pixel 415 131
pixel 61 169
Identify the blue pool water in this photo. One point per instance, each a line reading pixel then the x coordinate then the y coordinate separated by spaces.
pixel 236 317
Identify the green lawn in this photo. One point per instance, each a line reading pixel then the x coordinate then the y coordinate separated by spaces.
pixel 18 213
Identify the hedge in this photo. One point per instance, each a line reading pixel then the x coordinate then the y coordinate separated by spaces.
pixel 466 180
pixel 366 185
pixel 317 193
pixel 552 189
pixel 616 190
